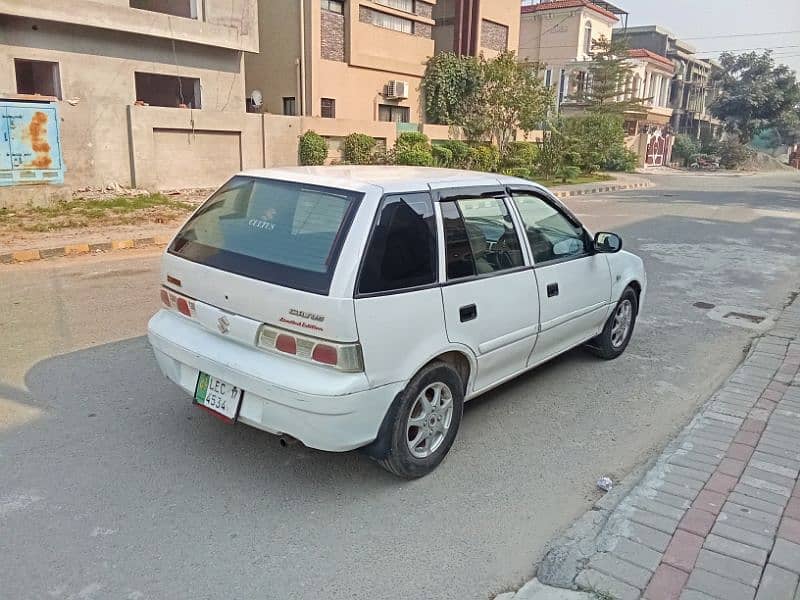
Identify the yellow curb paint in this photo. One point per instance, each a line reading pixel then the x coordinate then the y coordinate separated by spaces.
pixel 25 255
pixel 121 244
pixel 76 249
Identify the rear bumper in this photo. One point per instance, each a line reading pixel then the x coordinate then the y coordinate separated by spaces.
pixel 335 423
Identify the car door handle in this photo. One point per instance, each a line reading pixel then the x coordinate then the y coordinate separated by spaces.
pixel 552 290
pixel 468 312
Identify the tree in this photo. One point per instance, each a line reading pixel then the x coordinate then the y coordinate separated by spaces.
pixel 488 98
pixel 753 93
pixel 512 96
pixel 608 75
pixel 448 85
pixel 595 138
pixel 788 126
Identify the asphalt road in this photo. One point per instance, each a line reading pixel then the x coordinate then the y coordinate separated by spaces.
pixel 113 486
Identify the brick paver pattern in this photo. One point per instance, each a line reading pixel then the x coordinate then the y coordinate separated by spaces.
pixel 722 506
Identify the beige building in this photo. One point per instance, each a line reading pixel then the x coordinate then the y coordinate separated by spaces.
pixel 474 27
pixel 558 34
pixel 109 62
pixel 344 59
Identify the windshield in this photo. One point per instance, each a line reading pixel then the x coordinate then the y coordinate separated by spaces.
pixel 282 232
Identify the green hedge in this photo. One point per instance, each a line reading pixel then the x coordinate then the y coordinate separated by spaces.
pixel 357 149
pixel 414 149
pixel 313 149
pixel 484 158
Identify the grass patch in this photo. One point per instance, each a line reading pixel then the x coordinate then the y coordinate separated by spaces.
pixel 580 179
pixel 78 213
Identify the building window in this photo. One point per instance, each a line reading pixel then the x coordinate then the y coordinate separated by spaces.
pixel 37 77
pixel 290 106
pixel 587 38
pixel 328 108
pixel 404 5
pixel 394 114
pixel 548 78
pixel 168 90
pixel 335 6
pixel 379 19
pixel 176 8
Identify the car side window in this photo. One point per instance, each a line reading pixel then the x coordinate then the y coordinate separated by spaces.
pixel 402 249
pixel 480 237
pixel 551 235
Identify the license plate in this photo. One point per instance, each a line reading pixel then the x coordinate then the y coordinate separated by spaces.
pixel 218 396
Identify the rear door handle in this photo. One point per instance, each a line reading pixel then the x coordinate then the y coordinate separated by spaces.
pixel 552 290
pixel 468 313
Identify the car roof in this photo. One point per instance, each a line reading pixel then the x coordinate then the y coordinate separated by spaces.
pixel 389 178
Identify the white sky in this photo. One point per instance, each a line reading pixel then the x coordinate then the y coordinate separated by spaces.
pixel 704 18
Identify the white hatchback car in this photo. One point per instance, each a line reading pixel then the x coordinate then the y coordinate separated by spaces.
pixel 359 307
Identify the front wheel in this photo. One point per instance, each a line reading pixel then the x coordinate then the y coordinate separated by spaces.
pixel 424 422
pixel 618 329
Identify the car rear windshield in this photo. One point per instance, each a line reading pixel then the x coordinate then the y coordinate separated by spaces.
pixel 282 232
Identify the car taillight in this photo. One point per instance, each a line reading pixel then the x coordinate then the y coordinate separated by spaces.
pixel 183 307
pixel 344 357
pixel 325 354
pixel 286 343
pixel 170 299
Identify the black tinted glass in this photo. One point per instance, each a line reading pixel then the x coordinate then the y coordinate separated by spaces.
pixel 459 253
pixel 282 232
pixel 402 249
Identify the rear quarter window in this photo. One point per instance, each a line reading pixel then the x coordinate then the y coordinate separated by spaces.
pixel 282 232
pixel 402 248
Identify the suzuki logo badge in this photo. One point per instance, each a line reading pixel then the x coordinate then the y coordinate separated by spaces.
pixel 223 325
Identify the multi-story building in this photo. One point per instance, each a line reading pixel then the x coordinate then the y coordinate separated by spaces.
pixel 158 52
pixel 474 27
pixel 558 34
pixel 345 59
pixel 98 60
pixel 690 91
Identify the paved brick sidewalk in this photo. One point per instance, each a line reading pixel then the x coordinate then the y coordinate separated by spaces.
pixel 718 515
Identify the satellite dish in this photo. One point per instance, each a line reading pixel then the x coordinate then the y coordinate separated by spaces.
pixel 256 98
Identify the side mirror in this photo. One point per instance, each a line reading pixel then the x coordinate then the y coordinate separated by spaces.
pixel 607 242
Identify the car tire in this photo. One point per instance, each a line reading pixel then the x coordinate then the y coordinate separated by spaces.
pixel 618 329
pixel 422 423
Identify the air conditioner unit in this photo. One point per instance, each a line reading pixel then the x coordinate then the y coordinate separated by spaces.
pixel 397 90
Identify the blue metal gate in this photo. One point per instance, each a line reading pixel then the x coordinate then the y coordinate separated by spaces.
pixel 30 143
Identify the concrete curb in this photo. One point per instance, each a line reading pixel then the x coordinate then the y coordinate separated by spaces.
pixel 25 256
pixel 619 187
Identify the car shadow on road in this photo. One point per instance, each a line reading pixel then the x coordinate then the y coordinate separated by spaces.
pixel 113 400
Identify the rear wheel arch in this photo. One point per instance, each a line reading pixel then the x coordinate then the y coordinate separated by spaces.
pixel 458 361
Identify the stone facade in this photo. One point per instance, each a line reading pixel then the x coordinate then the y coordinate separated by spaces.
pixel 332 36
pixel 494 36
pixel 423 9
pixel 423 30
